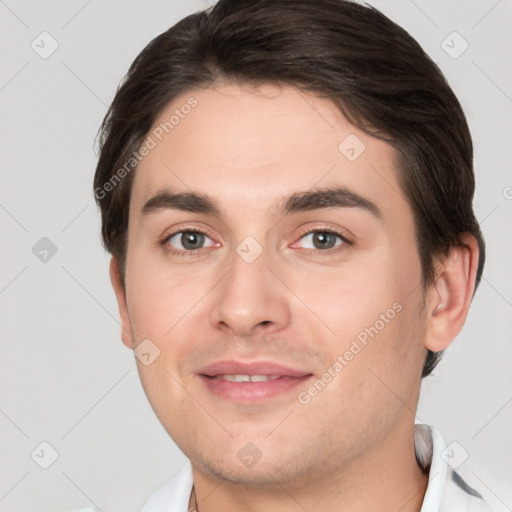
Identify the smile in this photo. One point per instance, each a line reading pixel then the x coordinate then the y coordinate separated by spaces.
pixel 255 382
pixel 248 378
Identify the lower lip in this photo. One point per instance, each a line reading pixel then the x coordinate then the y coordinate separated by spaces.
pixel 253 392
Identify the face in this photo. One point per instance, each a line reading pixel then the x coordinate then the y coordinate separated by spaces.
pixel 272 264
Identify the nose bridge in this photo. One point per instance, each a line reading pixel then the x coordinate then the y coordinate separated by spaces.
pixel 250 295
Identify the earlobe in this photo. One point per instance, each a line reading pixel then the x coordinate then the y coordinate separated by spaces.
pixel 119 289
pixel 450 297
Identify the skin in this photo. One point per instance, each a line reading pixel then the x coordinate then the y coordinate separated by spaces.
pixel 351 447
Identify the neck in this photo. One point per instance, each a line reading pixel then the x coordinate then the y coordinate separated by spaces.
pixel 387 478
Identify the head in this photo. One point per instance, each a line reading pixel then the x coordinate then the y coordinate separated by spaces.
pixel 322 168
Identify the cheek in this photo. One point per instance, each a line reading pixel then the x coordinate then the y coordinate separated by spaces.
pixel 349 298
pixel 159 298
pixel 160 305
pixel 380 375
pixel 368 309
pixel 164 391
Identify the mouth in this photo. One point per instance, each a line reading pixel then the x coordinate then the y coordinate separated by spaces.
pixel 255 382
pixel 247 378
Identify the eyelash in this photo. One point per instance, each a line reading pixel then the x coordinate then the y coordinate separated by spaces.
pixel 180 252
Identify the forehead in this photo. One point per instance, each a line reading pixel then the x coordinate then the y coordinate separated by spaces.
pixel 240 143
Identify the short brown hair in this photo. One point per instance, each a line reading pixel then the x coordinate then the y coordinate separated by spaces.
pixel 372 69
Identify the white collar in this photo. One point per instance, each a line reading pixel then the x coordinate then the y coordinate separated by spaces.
pixel 429 445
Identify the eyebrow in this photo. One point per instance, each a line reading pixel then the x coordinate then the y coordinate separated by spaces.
pixel 337 197
pixel 185 201
pixel 331 197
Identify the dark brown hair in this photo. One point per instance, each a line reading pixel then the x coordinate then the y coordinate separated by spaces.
pixel 371 68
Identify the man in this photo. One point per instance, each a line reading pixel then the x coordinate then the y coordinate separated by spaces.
pixel 286 191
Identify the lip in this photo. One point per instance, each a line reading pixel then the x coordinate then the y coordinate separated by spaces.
pixel 251 392
pixel 233 367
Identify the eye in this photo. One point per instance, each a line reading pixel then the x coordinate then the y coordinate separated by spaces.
pixel 186 241
pixel 322 240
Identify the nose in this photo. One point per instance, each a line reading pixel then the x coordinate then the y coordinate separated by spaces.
pixel 250 298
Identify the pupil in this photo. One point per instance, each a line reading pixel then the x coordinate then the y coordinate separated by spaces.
pixel 192 240
pixel 324 240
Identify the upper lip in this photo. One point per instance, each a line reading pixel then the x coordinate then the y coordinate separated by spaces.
pixel 250 368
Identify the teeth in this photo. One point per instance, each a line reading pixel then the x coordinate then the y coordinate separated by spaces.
pixel 236 378
pixel 262 378
pixel 248 378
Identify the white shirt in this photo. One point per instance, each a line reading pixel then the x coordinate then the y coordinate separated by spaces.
pixel 446 490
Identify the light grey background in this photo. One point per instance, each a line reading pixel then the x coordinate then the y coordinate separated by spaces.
pixel 65 376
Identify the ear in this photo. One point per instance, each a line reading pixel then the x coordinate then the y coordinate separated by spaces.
pixel 450 297
pixel 117 284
